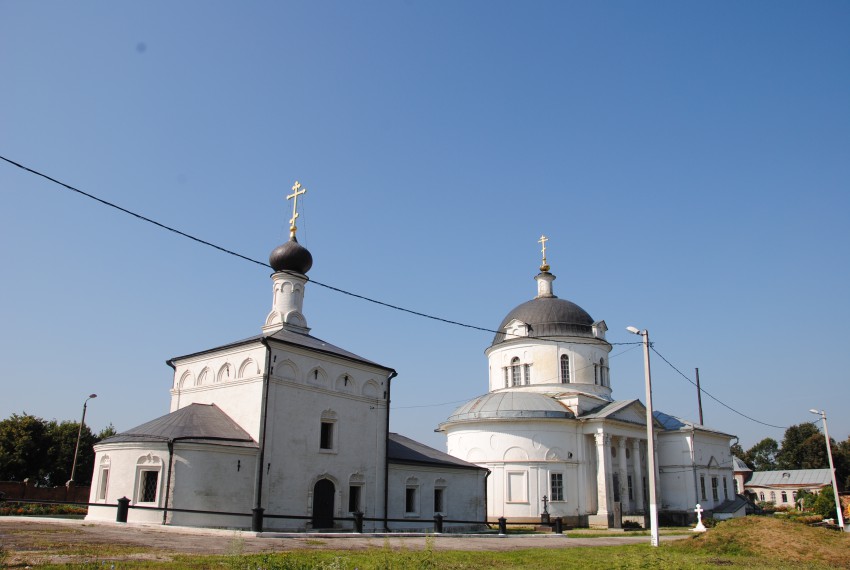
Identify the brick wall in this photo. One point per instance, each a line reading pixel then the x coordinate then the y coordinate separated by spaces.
pixel 27 490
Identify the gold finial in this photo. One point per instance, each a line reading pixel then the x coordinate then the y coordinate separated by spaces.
pixel 542 241
pixel 296 191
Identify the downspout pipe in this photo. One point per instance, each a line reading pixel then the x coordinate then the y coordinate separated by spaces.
pixel 392 375
pixel 168 480
pixel 256 520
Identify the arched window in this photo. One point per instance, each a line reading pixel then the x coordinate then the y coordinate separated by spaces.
pixel 772 496
pixel 516 372
pixel 565 369
pixel 761 496
pixel 602 371
pixel 784 497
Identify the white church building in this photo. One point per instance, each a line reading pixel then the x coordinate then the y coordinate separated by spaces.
pixel 283 428
pixel 549 427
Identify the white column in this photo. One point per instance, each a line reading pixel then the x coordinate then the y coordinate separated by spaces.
pixel 637 477
pixel 623 475
pixel 602 496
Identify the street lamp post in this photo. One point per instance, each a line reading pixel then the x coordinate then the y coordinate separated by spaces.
pixel 650 438
pixel 822 415
pixel 79 434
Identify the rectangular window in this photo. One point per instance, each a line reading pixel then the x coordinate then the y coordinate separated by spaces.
pixel 104 482
pixel 714 489
pixel 354 498
pixel 326 440
pixel 702 487
pixel 725 489
pixel 506 376
pixel 410 506
pixel 147 486
pixel 631 489
pixel 527 371
pixel 556 486
pixel 439 503
pixel 735 482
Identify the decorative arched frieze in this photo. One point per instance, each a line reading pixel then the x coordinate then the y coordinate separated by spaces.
pixel 515 454
pixel 149 459
pixel 476 455
pixel 329 415
pixel 185 380
pixel 104 461
pixel 203 377
pixel 412 480
pixel 225 373
pixel 317 376
pixel 371 389
pixel 285 369
pixel 557 454
pixel 345 383
pixel 248 368
pixel 357 479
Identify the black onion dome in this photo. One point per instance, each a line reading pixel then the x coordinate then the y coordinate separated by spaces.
pixel 291 256
pixel 549 316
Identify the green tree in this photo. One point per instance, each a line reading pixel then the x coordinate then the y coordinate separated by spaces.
pixel 23 447
pixel 824 504
pixel 62 438
pixel 798 446
pixel 762 456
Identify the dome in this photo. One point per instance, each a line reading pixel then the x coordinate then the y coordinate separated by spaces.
pixel 549 316
pixel 510 404
pixel 291 256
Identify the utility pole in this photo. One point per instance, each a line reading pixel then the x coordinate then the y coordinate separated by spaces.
pixel 699 399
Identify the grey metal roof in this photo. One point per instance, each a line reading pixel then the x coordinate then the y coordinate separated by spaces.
pixel 285 336
pixel 607 410
pixel 402 449
pixel 196 422
pixel 549 316
pixel 739 465
pixel 799 477
pixel 510 404
pixel 673 423
pixel 732 505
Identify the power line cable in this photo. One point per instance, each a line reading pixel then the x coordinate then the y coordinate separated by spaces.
pixel 703 390
pixel 246 258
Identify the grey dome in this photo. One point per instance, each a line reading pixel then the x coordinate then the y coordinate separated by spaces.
pixel 549 316
pixel 291 256
pixel 510 404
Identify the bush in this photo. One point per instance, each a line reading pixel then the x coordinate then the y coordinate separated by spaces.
pixel 632 525
pixel 35 509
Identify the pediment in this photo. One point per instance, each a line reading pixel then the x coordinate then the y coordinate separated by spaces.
pixel 516 328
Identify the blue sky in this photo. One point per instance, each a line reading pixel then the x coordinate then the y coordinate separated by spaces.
pixel 688 161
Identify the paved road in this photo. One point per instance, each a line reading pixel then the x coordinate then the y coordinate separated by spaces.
pixel 40 540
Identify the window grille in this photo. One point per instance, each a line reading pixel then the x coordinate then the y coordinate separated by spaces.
pixel 565 369
pixel 556 484
pixel 148 490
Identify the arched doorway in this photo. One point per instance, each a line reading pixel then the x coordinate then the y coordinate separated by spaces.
pixel 323 504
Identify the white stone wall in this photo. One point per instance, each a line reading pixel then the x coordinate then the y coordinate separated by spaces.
pixel 683 458
pixel 463 496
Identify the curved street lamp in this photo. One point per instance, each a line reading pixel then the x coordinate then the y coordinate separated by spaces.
pixel 822 415
pixel 650 439
pixel 79 434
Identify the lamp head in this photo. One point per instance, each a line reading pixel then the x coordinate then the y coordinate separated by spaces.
pixel 633 330
pixel 815 412
pixel 92 396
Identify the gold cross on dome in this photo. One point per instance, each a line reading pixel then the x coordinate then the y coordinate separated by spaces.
pixel 296 191
pixel 542 241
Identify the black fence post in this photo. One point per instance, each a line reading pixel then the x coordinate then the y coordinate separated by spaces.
pixel 559 525
pixel 257 519
pixel 123 509
pixel 438 523
pixel 358 522
pixel 503 525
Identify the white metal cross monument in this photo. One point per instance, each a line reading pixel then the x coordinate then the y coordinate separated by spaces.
pixel 700 527
pixel 296 191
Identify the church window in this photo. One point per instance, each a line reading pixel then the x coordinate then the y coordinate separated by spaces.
pixel 702 487
pixel 411 500
pixel 714 489
pixel 784 497
pixel 773 496
pixel 602 371
pixel 103 483
pixel 794 496
pixel 556 486
pixel 147 486
pixel 439 500
pixel 596 374
pixel 516 378
pixel 354 498
pixel 735 482
pixel 725 488
pixel 631 488
pixel 326 438
pixel 526 368
pixel 761 496
pixel 506 377
pixel 565 369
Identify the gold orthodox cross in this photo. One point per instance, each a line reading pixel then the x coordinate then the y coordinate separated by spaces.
pixel 542 241
pixel 296 191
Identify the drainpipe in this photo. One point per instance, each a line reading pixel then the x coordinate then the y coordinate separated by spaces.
pixel 168 479
pixel 258 478
pixel 486 476
pixel 392 375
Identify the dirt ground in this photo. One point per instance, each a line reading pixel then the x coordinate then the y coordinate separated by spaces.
pixel 40 540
